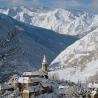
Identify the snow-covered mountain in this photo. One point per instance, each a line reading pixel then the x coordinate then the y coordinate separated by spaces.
pixel 59 20
pixel 79 61
pixel 22 46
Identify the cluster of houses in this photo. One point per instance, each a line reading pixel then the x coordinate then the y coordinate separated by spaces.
pixel 32 84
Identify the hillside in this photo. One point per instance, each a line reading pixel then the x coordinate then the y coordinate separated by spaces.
pixel 22 46
pixel 79 62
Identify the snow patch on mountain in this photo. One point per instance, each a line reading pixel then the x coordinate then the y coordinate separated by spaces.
pixel 76 74
pixel 79 61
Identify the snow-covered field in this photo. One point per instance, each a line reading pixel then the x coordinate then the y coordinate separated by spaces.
pixel 80 60
pixel 75 74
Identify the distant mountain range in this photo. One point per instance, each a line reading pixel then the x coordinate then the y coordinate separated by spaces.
pixel 59 20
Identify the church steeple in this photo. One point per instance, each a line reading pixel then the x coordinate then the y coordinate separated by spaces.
pixel 44 65
pixel 44 60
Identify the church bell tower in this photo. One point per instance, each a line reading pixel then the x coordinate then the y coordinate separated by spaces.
pixel 44 67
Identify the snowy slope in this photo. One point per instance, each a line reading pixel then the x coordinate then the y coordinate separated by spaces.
pixel 59 20
pixel 22 46
pixel 79 61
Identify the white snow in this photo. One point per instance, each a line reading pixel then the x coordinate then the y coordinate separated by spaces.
pixel 24 80
pixel 59 20
pixel 93 85
pixel 75 74
pixel 79 61
pixel 62 87
pixel 28 79
pixel 34 73
pixel 93 93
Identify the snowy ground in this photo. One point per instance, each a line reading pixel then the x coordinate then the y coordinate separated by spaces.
pixel 75 74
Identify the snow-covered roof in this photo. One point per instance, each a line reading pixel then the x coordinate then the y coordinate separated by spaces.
pixel 27 73
pixel 31 77
pixel 62 87
pixel 93 93
pixel 92 85
pixel 35 73
pixel 28 79
pixel 24 80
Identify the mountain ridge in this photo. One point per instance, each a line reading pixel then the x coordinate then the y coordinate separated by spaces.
pixel 22 46
pixel 59 20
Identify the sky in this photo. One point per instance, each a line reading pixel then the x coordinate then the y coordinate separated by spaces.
pixel 91 5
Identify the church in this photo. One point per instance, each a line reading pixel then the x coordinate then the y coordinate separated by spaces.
pixel 32 84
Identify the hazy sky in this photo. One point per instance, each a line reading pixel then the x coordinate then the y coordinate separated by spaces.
pixel 79 4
